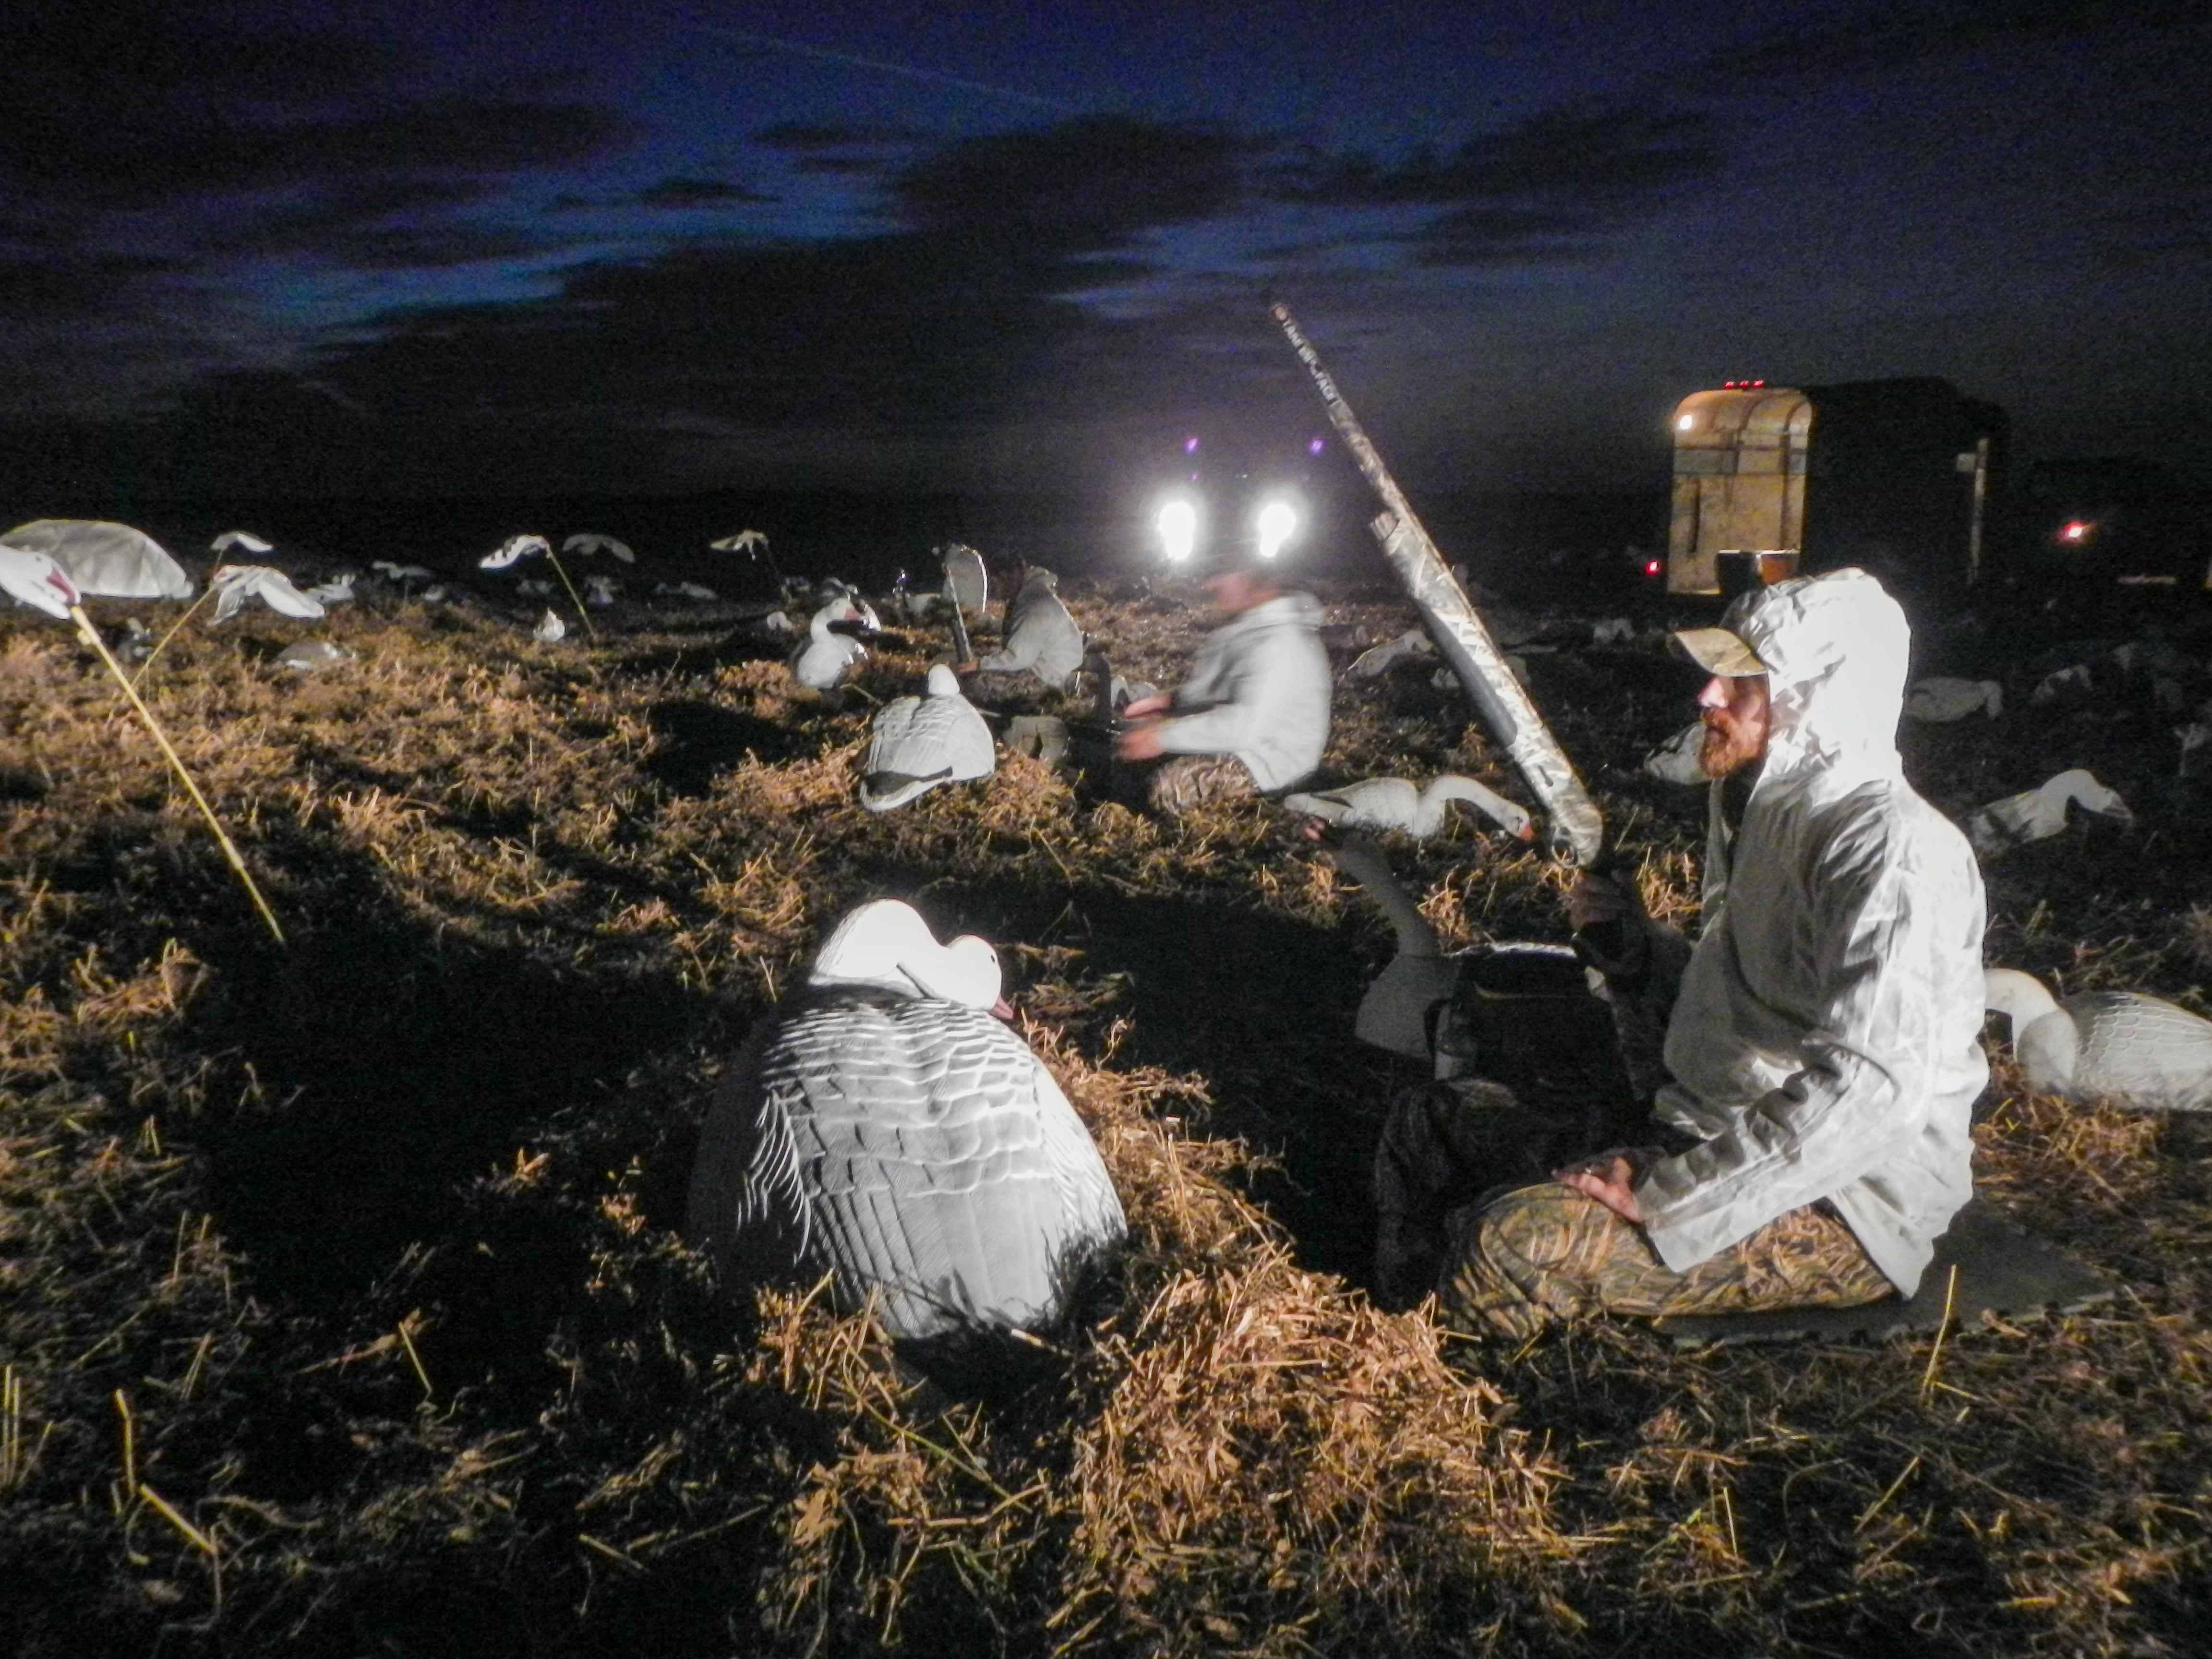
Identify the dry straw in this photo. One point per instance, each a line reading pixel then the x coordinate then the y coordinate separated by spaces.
pixel 543 909
pixel 90 635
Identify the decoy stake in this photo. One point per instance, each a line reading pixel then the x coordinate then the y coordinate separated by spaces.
pixel 554 559
pixel 90 636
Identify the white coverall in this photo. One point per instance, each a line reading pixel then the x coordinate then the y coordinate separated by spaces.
pixel 1259 690
pixel 1042 636
pixel 1826 1043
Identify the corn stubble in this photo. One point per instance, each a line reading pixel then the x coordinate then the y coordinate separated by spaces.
pixel 342 1304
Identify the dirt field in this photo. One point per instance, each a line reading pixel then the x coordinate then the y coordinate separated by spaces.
pixel 342 1308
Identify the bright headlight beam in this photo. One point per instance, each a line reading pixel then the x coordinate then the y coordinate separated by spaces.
pixel 1277 524
pixel 1178 526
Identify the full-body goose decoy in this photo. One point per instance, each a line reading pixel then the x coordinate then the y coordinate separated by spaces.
pixel 2039 813
pixel 1518 1014
pixel 823 661
pixel 1394 1015
pixel 1042 637
pixel 1396 803
pixel 920 742
pixel 830 590
pixel 1676 760
pixel 1938 701
pixel 2121 1046
pixel 1380 659
pixel 884 1128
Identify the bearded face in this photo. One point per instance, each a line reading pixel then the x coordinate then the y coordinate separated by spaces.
pixel 1737 717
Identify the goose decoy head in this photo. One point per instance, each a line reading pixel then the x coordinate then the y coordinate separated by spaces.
pixel 37 581
pixel 885 944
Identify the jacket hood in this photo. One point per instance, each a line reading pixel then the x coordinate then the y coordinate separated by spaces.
pixel 1836 649
pixel 1301 609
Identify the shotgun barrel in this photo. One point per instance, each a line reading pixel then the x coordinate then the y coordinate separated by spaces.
pixel 1577 831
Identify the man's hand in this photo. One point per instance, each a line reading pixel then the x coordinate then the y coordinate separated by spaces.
pixel 1144 706
pixel 1140 743
pixel 1610 1178
pixel 1598 896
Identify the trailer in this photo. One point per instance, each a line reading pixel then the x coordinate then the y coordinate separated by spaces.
pixel 1897 477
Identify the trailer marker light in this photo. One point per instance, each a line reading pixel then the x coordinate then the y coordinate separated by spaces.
pixel 1651 567
pixel 1686 423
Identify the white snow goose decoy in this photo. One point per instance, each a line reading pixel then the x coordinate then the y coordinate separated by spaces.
pixel 1379 660
pixel 2121 1046
pixel 885 1128
pixel 1396 803
pixel 1938 701
pixel 920 742
pixel 1679 760
pixel 822 662
pixel 2039 813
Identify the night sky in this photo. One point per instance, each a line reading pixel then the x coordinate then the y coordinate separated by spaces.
pixel 481 247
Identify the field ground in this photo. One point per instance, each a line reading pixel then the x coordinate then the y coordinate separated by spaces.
pixel 342 1308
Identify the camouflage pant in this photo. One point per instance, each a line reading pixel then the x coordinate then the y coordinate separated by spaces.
pixel 1458 1214
pixel 1541 1252
pixel 1185 782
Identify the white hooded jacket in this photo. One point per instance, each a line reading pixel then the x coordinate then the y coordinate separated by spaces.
pixel 1259 690
pixel 1826 1040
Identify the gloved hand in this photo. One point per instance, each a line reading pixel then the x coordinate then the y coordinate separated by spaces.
pixel 1611 926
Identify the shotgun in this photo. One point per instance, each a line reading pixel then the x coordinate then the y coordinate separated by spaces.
pixel 963 653
pixel 1578 831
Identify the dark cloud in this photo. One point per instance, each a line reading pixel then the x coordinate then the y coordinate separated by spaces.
pixel 1086 182
pixel 71 286
pixel 677 193
pixel 416 247
pixel 1893 35
pixel 822 134
pixel 320 217
pixel 137 104
pixel 145 62
pixel 842 166
pixel 138 164
pixel 1545 188
pixel 710 357
pixel 1490 235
